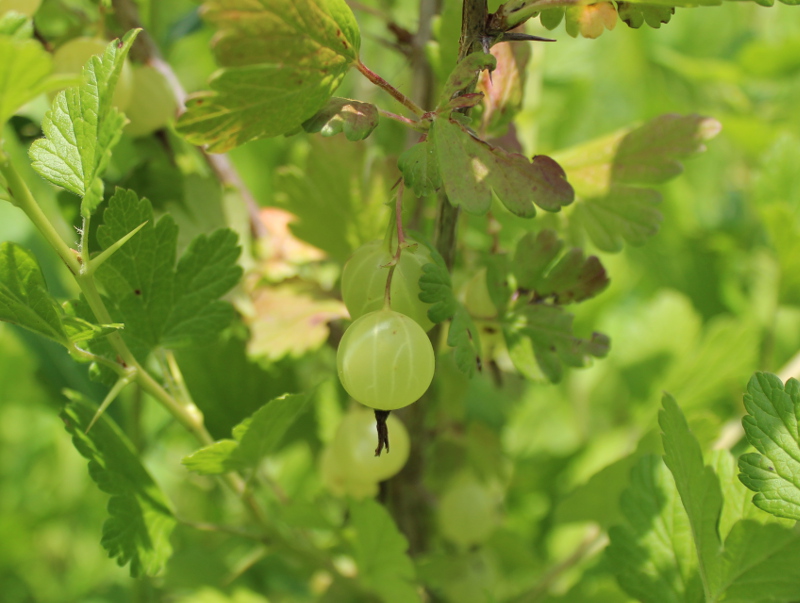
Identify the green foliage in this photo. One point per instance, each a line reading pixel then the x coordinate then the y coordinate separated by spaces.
pixel 254 438
pixel 24 299
pixel 356 119
pixel 82 128
pixel 420 168
pixel 610 175
pixel 163 304
pixel 667 551
pixel 437 289
pixel 771 427
pixel 24 69
pixel 281 62
pixel 471 170
pixel 380 554
pixel 141 519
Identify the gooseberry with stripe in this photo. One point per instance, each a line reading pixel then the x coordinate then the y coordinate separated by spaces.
pixel 385 360
pixel 364 280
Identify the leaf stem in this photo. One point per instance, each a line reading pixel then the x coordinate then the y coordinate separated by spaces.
pixel 22 198
pixel 394 92
pixel 411 123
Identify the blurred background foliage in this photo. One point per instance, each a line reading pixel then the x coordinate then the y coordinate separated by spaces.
pixel 713 297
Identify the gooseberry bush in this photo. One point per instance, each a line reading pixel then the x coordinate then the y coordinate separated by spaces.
pixel 359 348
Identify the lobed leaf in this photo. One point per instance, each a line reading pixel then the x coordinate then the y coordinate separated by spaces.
pixel 420 169
pixel 540 335
pixel 471 170
pixel 161 304
pixel 771 426
pixel 634 14
pixel 82 127
pixel 610 176
pixel 254 438
pixel 281 61
pixel 141 519
pixel 571 278
pixel 24 299
pixel 356 119
pixel 436 289
pixel 380 552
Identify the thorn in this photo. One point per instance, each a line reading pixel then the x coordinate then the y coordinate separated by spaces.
pixel 522 37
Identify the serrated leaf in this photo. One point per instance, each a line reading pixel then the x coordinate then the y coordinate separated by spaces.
pixel 610 174
pixel 652 554
pixel 465 74
pixel 571 278
pixel 281 61
pixel 356 119
pixel 420 169
pixel 436 289
pixel 25 68
pixel 471 170
pixel 141 518
pixel 757 561
pixel 771 426
pixel 24 299
pixel 380 552
pixel 82 127
pixel 255 438
pixel 161 304
pixel 541 335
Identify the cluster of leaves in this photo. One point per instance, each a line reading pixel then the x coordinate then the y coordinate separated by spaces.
pixel 690 533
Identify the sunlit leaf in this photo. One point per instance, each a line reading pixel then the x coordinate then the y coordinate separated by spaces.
pixel 356 119
pixel 82 128
pixel 281 61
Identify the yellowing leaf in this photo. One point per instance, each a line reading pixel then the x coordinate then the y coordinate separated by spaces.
pixel 290 320
pixel 591 20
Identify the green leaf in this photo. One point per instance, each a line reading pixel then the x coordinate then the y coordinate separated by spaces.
pixel 436 289
pixel 420 169
pixel 25 68
pixel 356 119
pixel 337 210
pixel 281 61
pixel 771 426
pixel 161 304
pixel 82 127
pixel 572 278
pixel 16 25
pixel 541 335
pixel 757 561
pixel 255 438
pixel 698 487
pixel 635 15
pixel 471 170
pixel 380 554
pixel 465 74
pixel 24 299
pixel 652 553
pixel 610 176
pixel 141 519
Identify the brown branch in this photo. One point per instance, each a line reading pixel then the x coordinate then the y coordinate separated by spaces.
pixel 146 50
